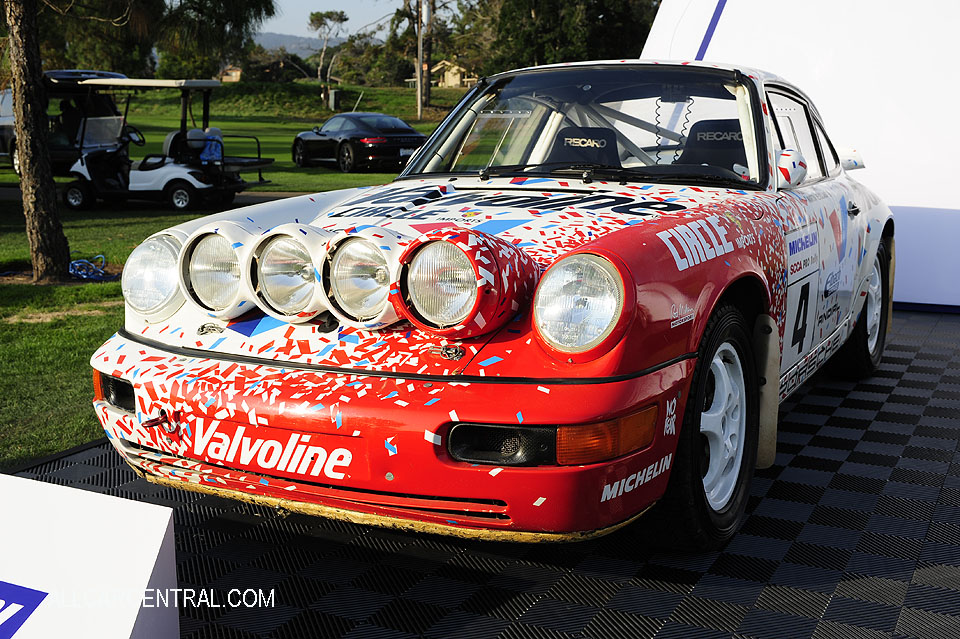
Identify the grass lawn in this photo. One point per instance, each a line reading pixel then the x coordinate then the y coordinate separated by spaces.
pixel 275 113
pixel 48 333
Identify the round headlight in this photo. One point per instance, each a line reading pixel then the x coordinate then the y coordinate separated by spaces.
pixel 360 279
pixel 214 272
pixel 286 275
pixel 578 303
pixel 150 275
pixel 442 284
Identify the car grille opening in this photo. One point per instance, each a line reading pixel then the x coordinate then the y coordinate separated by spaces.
pixel 118 392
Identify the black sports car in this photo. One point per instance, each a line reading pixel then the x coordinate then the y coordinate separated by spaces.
pixel 354 140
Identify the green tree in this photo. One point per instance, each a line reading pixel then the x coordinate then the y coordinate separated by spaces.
pixel 327 24
pixel 531 32
pixel 125 45
pixel 220 32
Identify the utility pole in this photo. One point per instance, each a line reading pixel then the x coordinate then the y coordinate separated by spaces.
pixel 419 59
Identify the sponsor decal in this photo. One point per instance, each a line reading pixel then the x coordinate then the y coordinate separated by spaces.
pixel 802 370
pixel 402 206
pixel 670 421
pixel 295 456
pixel 803 253
pixel 802 243
pixel 832 284
pixel 17 603
pixel 680 315
pixel 637 479
pixel 748 239
pixel 590 143
pixel 696 242
pixel 719 136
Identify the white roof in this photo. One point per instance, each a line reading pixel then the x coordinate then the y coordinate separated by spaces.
pixel 145 83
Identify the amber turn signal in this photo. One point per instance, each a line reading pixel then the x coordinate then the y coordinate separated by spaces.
pixel 98 394
pixel 590 443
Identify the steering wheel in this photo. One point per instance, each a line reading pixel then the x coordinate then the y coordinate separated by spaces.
pixel 134 135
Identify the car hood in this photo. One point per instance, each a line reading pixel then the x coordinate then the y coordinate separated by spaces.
pixel 545 217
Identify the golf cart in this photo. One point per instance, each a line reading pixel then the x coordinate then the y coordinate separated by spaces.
pixel 192 166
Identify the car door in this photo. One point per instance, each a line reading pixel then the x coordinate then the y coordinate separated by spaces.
pixel 819 294
pixel 325 148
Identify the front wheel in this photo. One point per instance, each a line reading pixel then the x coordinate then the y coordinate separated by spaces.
pixel 15 159
pixel 77 195
pixel 180 196
pixel 346 158
pixel 860 356
pixel 717 447
pixel 299 157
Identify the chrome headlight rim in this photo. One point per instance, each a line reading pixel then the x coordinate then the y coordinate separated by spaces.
pixel 238 302
pixel 618 319
pixel 175 299
pixel 311 304
pixel 455 324
pixel 384 312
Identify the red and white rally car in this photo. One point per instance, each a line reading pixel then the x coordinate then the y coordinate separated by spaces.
pixel 587 293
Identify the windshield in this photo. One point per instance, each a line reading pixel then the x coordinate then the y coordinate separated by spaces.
pixel 645 124
pixel 384 123
pixel 98 132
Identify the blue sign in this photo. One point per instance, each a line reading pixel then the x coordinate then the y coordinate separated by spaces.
pixel 16 605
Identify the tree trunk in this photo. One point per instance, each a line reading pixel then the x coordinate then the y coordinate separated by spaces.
pixel 323 52
pixel 49 252
pixel 427 52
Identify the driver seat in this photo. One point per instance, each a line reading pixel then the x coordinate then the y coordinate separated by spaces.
pixel 592 145
pixel 716 143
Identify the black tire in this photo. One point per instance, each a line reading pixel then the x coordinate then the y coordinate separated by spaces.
pixel 299 154
pixel 688 515
pixel 346 158
pixel 226 198
pixel 860 356
pixel 180 196
pixel 77 195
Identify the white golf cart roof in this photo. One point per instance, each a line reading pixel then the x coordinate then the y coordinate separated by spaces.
pixel 145 83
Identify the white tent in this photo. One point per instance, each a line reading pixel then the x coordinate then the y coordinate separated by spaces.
pixel 881 73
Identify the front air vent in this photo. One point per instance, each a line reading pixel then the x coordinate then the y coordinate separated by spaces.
pixel 118 392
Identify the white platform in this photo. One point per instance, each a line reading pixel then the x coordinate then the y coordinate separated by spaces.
pixel 95 555
pixel 881 74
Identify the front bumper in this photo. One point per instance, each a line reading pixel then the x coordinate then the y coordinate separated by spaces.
pixel 246 431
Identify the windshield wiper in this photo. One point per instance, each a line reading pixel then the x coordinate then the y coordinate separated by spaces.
pixel 592 170
pixel 588 168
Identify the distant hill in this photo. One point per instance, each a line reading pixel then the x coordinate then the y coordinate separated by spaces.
pixel 299 45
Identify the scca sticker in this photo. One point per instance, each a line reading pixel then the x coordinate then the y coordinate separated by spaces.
pixel 17 603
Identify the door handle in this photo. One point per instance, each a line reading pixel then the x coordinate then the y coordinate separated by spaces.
pixel 853 209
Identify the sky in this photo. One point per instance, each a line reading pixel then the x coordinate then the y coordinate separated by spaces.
pixel 293 16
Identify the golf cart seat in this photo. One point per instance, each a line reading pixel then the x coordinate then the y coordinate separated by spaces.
pixel 170 143
pixel 149 162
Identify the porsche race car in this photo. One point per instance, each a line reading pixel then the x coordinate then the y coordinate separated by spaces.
pixel 585 296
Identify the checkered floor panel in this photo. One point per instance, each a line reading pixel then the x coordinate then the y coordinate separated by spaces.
pixel 854 532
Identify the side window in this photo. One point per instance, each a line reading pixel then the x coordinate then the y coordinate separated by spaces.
pixel 794 126
pixel 830 159
pixel 333 125
pixel 348 125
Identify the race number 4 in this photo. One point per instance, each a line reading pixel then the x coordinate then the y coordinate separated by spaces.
pixel 800 323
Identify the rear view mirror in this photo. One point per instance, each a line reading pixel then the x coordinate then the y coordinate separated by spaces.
pixel 850 159
pixel 791 168
pixel 316 129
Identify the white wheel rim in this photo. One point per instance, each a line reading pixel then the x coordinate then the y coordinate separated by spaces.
pixel 874 305
pixel 723 425
pixel 16 162
pixel 74 196
pixel 181 198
